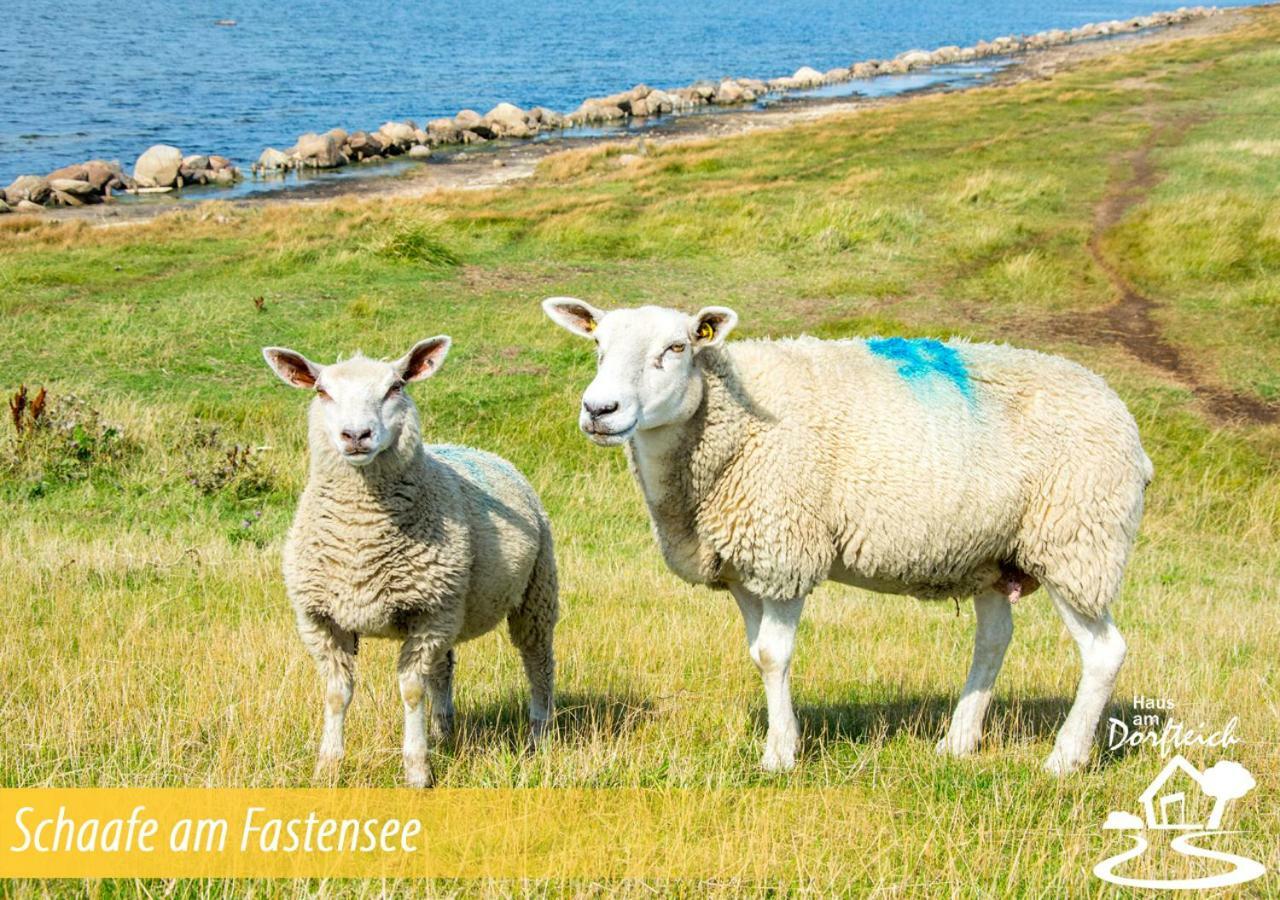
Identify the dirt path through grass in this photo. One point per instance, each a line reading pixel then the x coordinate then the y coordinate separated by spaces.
pixel 1131 321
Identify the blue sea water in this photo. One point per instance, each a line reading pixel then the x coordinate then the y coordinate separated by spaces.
pixel 106 80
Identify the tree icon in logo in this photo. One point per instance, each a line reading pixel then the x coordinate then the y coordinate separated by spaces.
pixel 1225 781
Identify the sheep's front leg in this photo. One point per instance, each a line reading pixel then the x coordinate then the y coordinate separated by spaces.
pixel 771 634
pixel 334 651
pixel 991 639
pixel 422 659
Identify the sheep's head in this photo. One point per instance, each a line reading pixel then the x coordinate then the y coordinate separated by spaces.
pixel 360 403
pixel 645 377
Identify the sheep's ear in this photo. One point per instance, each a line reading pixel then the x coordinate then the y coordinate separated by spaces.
pixel 424 359
pixel 293 368
pixel 712 325
pixel 573 315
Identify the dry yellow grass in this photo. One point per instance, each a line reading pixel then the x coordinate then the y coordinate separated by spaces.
pixel 150 642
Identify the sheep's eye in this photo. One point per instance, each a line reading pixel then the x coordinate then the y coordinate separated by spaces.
pixel 322 393
pixel 395 389
pixel 676 348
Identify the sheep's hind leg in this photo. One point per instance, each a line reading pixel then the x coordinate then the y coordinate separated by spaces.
pixel 440 686
pixel 532 629
pixel 334 651
pixel 991 639
pixel 1102 652
pixel 532 636
pixel 771 635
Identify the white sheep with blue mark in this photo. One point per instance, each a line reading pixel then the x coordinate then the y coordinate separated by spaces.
pixel 903 466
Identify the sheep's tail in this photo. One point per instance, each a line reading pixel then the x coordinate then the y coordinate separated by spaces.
pixel 1148 470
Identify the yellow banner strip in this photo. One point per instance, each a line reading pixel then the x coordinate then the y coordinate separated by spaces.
pixel 353 833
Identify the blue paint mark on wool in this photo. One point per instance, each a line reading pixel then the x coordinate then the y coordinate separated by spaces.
pixel 918 358
pixel 464 456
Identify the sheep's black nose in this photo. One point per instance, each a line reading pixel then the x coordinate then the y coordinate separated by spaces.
pixel 596 410
pixel 357 437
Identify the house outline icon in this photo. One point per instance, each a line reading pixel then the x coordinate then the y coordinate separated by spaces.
pixel 1148 797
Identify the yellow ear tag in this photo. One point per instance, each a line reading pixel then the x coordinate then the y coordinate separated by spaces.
pixel 705 331
pixel 590 325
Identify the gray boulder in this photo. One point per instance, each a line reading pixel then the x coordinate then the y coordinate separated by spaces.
pixel 419 151
pixel 272 160
pixel 77 171
pixel 399 134
pixel 28 206
pixel 319 151
pixel 729 92
pixel 806 76
pixel 467 119
pixel 32 188
pixel 659 102
pixel 596 110
pixel 506 115
pixel 914 59
pixel 504 120
pixel 102 174
pixel 61 198
pixel 549 118
pixel 158 166
pixel 366 146
pixel 442 131
pixel 685 98
pixel 73 186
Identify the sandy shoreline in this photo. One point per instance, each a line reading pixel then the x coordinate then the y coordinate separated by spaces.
pixel 504 162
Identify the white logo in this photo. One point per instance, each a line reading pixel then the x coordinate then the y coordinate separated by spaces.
pixel 1152 723
pixel 1178 801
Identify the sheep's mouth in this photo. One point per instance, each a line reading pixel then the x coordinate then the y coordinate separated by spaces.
pixel 609 438
pixel 359 457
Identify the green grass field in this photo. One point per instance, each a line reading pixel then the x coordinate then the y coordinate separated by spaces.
pixel 149 640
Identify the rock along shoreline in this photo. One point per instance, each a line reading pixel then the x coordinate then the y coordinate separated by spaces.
pixel 163 168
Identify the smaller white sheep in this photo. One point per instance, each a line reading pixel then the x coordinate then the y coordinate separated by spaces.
pixel 430 545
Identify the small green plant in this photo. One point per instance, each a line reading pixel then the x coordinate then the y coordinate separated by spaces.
pixel 58 442
pixel 415 242
pixel 214 467
pixel 246 531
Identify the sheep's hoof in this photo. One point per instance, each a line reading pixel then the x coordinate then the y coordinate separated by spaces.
pixel 779 754
pixel 957 745
pixel 327 765
pixel 417 773
pixel 539 732
pixel 1060 763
